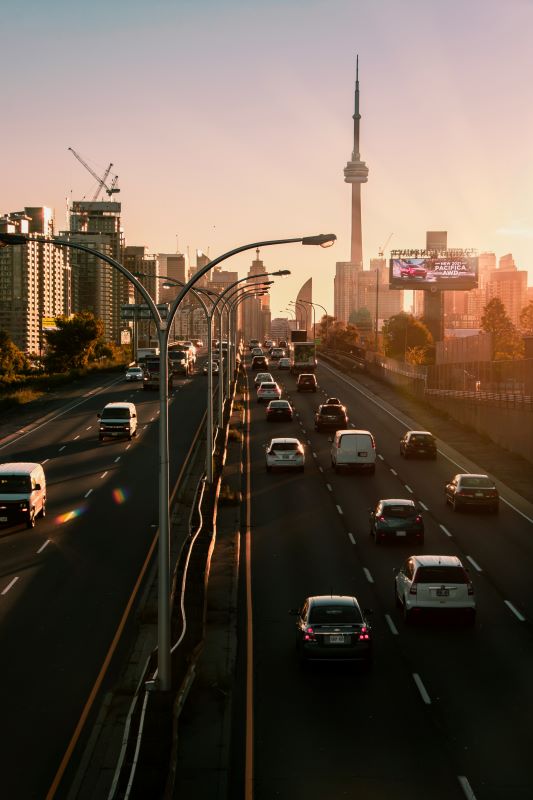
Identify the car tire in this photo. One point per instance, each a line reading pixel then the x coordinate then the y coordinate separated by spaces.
pixel 30 523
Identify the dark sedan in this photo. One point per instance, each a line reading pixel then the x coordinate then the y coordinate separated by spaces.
pixel 279 410
pixel 333 628
pixel 396 520
pixel 473 491
pixel 260 362
pixel 418 443
pixel 331 417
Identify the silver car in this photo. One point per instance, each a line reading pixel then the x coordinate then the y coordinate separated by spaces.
pixel 285 454
pixel 134 374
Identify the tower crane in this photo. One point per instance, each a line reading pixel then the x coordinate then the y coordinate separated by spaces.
pixel 381 250
pixel 110 190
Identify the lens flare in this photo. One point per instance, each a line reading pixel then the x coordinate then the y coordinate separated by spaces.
pixel 69 515
pixel 120 496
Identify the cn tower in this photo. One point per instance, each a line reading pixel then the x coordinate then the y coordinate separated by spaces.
pixel 356 173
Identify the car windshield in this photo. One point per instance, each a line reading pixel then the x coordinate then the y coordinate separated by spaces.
pixel 116 413
pixel 335 614
pixel 403 512
pixel 441 574
pixel 477 483
pixel 280 447
pixel 13 484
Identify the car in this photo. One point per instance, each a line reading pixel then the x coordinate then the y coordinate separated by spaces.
pixel 258 351
pixel 285 454
pixel 353 449
pixel 333 627
pixel 472 491
pixel 117 420
pixel 434 583
pixel 282 343
pixel 276 353
pixel 253 343
pixel 396 520
pixel 268 343
pixel 268 390
pixel 215 368
pixel 279 410
pixel 284 363
pixel 306 382
pixel 259 362
pixel 261 377
pixel 333 401
pixel 418 443
pixel 330 417
pixel 134 374
pixel 412 271
pixel 22 492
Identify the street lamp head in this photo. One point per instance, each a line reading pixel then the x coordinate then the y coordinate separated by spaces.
pixel 7 239
pixel 169 285
pixel 282 272
pixel 323 239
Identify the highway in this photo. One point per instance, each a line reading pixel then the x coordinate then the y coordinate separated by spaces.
pixel 446 710
pixel 64 585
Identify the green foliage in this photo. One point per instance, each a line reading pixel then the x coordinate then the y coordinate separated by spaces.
pixel 342 337
pixel 324 327
pixel 74 343
pixel 403 334
pixel 362 319
pixel 12 360
pixel 526 319
pixel 506 341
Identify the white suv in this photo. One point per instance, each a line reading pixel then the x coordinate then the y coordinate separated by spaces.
pixel 434 583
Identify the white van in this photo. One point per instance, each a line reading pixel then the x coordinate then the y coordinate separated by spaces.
pixel 353 449
pixel 118 419
pixel 22 493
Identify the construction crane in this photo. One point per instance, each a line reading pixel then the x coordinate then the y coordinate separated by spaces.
pixel 110 190
pixel 381 250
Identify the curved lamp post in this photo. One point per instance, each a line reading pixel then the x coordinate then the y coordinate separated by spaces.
pixel 163 678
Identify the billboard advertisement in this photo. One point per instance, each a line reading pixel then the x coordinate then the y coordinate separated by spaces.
pixel 438 272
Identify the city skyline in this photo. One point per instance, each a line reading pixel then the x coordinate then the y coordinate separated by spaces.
pixel 211 155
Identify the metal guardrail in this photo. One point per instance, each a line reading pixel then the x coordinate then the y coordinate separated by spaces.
pixel 502 399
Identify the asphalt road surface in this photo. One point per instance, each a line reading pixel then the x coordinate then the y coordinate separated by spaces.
pixel 446 710
pixel 64 585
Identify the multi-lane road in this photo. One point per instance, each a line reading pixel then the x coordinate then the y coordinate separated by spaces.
pixel 446 711
pixel 65 584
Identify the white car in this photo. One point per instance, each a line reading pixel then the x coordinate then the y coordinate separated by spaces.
pixel 263 377
pixel 284 363
pixel 268 390
pixel 285 454
pixel 134 374
pixel 439 583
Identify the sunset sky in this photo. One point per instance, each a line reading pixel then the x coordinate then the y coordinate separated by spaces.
pixel 229 121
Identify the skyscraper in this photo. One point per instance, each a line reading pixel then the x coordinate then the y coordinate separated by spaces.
pixel 356 173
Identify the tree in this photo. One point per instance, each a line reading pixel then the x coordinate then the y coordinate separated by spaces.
pixel 73 344
pixel 403 333
pixel 506 342
pixel 324 327
pixel 12 360
pixel 526 319
pixel 362 319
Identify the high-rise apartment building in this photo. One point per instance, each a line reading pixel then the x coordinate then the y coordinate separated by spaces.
pixel 256 310
pixel 34 279
pixel 510 285
pixel 173 266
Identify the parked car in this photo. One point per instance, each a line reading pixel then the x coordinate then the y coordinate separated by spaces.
pixel 284 363
pixel 396 520
pixel 472 491
pixel 330 417
pixel 434 583
pixel 134 374
pixel 22 493
pixel 279 410
pixel 285 454
pixel 268 390
pixel 259 362
pixel 262 377
pixel 418 443
pixel 353 449
pixel 306 382
pixel 117 420
pixel 333 627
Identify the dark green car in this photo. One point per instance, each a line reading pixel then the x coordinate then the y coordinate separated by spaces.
pixel 396 520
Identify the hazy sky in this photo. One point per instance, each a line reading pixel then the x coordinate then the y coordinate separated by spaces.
pixel 229 122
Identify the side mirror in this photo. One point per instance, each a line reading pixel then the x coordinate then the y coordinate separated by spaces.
pixel 37 487
pixel 133 416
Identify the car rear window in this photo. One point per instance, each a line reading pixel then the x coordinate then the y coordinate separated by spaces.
pixel 279 404
pixel 441 574
pixel 355 442
pixel 268 385
pixel 332 411
pixel 477 482
pixel 334 614
pixel 403 512
pixel 280 446
pixel 422 438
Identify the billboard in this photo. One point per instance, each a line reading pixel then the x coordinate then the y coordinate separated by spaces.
pixel 433 273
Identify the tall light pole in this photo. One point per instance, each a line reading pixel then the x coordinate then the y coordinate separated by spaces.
pixel 163 679
pixel 296 303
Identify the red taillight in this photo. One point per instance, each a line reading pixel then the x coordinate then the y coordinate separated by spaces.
pixel 418 519
pixel 363 634
pixel 470 588
pixel 309 635
pixel 382 519
pixel 413 588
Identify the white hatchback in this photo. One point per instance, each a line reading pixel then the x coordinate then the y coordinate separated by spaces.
pixel 285 454
pixel 268 390
pixel 261 377
pixel 438 583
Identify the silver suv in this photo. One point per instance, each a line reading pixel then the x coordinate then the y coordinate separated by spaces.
pixel 434 583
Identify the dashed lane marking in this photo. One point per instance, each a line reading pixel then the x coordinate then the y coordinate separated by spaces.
pixel 314 454
pixel 351 538
pixel 41 548
pixel 474 564
pixel 103 475
pixel 117 459
pixel 408 488
pixel 465 786
pixel 61 448
pixel 339 509
pixel 45 460
pixel 421 688
pixel 9 586
pixel 76 437
pixel 321 469
pixel 424 506
pixel 445 530
pixel 368 576
pixel 515 611
pixel 393 471
pixel 328 487
pixel 392 626
pixel 380 456
pixel 88 493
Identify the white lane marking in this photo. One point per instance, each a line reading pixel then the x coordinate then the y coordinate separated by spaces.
pixel 515 611
pixel 76 437
pixel 88 493
pixel 474 564
pixel 392 626
pixel 41 548
pixel 61 448
pixel 151 419
pixel 45 460
pixel 465 786
pixel 408 488
pixel 103 475
pixel 421 688
pixel 309 441
pixel 117 459
pixel 128 446
pixel 352 424
pixel 157 412
pixel 424 506
pixel 350 537
pixel 9 586
pixel 89 428
pixel 339 509
pixel 314 454
pixel 303 430
pixel 368 576
pixel 393 471
pixel 445 530
pixel 328 487
pixel 321 469
pixel 380 456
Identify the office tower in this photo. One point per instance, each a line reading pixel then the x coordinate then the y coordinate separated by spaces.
pixel 509 284
pixel 304 309
pixel 33 280
pixel 202 259
pixel 387 302
pixel 256 310
pixel 96 286
pixel 171 265
pixel 356 173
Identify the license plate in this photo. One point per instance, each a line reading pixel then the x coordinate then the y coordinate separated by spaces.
pixel 336 639
pixel 362 454
pixel 3 519
pixel 443 592
pixel 480 494
pixel 401 533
